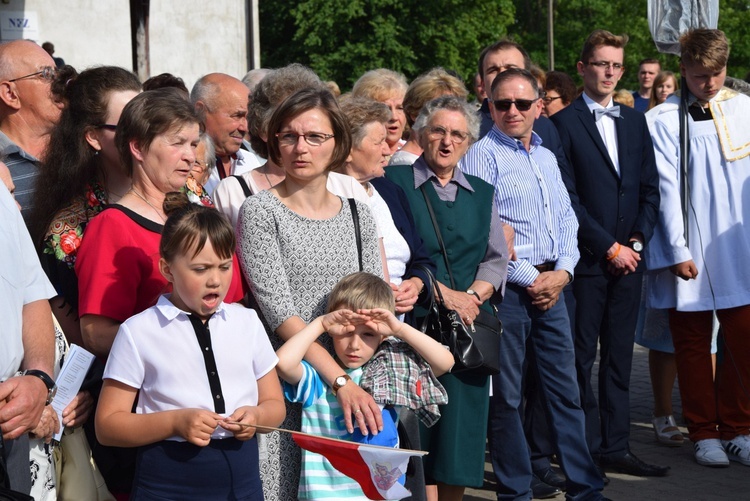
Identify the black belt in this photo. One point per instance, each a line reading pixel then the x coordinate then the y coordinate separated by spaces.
pixel 541 268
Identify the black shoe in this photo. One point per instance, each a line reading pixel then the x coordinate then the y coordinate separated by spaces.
pixel 601 473
pixel 551 477
pixel 631 465
pixel 540 490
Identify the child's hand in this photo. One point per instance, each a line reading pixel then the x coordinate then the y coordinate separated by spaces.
pixel 340 322
pixel 246 415
pixel 382 322
pixel 196 425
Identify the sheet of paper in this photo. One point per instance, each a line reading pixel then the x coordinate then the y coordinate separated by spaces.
pixel 69 380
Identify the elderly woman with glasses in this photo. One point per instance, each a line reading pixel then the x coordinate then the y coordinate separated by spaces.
pixel 296 240
pixel 477 255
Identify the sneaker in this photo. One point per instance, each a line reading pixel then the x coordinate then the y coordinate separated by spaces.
pixel 738 449
pixel 709 452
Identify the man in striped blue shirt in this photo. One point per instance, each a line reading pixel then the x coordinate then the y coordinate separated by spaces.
pixel 532 198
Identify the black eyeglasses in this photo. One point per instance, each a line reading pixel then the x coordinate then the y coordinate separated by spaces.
pixel 548 99
pixel 311 138
pixel 111 127
pixel 521 104
pixel 437 132
pixel 47 73
pixel 603 65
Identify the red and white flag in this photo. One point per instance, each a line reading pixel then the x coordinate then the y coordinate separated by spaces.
pixel 376 469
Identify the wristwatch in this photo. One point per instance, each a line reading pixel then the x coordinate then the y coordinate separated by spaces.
pixel 473 293
pixel 636 246
pixel 339 382
pixel 48 382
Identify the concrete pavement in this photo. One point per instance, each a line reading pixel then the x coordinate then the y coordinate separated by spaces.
pixel 687 481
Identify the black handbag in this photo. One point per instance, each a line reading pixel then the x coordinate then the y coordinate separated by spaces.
pixel 475 347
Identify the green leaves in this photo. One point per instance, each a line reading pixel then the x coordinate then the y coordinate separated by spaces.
pixel 342 40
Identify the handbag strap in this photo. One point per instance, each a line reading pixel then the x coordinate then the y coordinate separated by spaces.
pixel 357 234
pixel 243 184
pixel 439 235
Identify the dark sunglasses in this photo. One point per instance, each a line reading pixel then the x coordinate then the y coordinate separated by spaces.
pixel 521 104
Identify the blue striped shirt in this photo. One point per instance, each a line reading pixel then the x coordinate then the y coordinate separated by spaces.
pixel 531 197
pixel 24 169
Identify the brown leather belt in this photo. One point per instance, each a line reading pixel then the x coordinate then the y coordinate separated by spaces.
pixel 541 268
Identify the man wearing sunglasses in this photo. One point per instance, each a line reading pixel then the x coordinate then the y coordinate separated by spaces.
pixel 530 195
pixel 28 112
pixel 493 60
pixel 614 188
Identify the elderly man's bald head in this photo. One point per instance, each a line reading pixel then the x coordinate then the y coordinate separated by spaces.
pixel 221 102
pixel 28 99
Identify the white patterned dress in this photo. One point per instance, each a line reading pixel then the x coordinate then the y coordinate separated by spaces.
pixel 291 263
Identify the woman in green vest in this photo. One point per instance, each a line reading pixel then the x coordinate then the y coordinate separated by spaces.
pixel 477 254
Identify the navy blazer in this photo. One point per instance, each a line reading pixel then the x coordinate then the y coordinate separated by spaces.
pixel 610 207
pixel 398 204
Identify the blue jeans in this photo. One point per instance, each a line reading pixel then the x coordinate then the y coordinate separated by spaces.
pixel 548 333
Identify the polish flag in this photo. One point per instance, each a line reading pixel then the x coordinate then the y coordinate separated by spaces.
pixel 376 469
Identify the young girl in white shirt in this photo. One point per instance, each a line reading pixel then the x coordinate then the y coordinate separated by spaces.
pixel 194 365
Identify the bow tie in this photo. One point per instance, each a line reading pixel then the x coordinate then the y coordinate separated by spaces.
pixel 614 112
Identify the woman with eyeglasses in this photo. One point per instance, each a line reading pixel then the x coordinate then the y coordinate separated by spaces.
pixel 296 240
pixel 270 92
pixel 477 254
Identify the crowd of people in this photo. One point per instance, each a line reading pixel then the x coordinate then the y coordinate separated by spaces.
pixel 261 253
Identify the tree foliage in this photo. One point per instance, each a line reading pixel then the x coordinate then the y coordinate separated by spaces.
pixel 342 40
pixel 575 19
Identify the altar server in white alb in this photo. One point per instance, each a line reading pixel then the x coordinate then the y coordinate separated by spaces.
pixel 710 271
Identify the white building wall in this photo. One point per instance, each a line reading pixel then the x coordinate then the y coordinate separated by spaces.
pixel 188 38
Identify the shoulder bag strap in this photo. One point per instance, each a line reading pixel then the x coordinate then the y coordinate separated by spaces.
pixel 245 188
pixel 357 234
pixel 439 235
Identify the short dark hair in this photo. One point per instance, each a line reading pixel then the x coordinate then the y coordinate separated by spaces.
pixel 514 73
pixel 148 115
pixel 649 60
pixel 563 84
pixel 599 38
pixel 302 101
pixel 190 225
pixel 166 80
pixel 503 44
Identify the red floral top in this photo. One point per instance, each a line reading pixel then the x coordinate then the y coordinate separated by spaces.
pixel 64 236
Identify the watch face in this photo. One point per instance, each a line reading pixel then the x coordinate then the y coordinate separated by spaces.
pixel 340 381
pixel 637 246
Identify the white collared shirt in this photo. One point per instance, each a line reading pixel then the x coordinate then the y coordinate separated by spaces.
pixel 241 162
pixel 22 281
pixel 157 352
pixel 607 130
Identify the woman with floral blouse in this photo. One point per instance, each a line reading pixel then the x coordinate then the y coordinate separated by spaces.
pixel 80 175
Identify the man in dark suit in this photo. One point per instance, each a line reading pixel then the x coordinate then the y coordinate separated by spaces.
pixel 613 183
